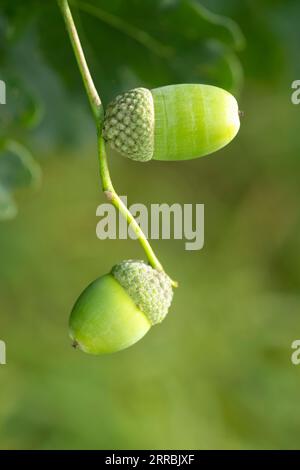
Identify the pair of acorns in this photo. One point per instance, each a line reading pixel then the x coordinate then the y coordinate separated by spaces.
pixel 176 122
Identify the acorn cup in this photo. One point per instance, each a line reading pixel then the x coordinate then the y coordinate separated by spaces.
pixel 118 309
pixel 176 122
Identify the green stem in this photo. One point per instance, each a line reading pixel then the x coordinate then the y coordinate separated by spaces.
pixel 90 88
pixel 98 112
pixel 113 197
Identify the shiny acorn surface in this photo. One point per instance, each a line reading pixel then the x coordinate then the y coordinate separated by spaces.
pixel 192 121
pixel 117 309
pixel 105 319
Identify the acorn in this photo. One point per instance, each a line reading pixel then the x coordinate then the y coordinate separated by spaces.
pixel 176 122
pixel 118 309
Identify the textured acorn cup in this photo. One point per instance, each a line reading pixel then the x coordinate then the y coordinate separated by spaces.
pixel 118 309
pixel 176 122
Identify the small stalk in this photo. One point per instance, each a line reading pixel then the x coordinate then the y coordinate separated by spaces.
pixel 91 91
pixel 113 197
pixel 98 112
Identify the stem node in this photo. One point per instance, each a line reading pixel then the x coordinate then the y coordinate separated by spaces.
pixel 109 195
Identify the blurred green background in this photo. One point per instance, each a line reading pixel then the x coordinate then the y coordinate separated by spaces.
pixel 217 373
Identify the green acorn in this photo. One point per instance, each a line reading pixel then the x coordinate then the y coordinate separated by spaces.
pixel 176 122
pixel 118 309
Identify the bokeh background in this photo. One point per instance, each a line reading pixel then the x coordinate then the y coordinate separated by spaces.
pixel 217 373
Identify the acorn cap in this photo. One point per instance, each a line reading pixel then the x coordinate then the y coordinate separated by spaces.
pixel 129 124
pixel 150 289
